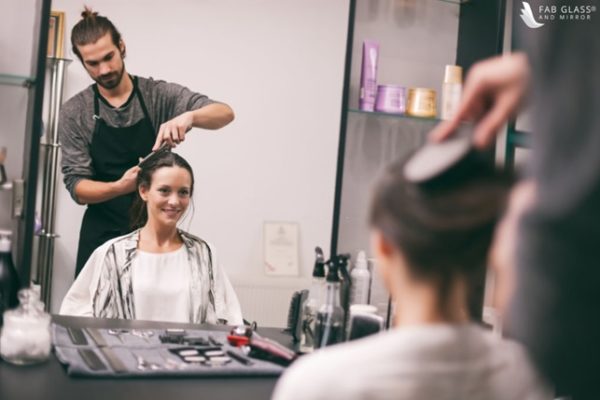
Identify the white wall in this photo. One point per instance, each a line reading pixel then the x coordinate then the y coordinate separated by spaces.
pixel 279 64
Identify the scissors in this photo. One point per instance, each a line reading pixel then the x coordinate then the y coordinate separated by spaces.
pixel 164 148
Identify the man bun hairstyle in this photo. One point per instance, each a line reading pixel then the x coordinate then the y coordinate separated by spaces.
pixel 92 27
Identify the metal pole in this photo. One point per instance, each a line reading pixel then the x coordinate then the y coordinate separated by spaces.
pixel 48 206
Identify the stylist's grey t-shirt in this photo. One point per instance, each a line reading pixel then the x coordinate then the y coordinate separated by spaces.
pixel 163 100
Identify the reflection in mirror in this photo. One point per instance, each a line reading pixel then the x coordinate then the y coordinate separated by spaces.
pixel 163 273
pixel 274 163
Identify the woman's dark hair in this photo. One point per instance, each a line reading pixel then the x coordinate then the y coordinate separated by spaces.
pixel 443 231
pixel 90 28
pixel 138 212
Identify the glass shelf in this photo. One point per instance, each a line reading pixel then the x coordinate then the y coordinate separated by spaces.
pixel 16 80
pixel 390 115
pixel 456 1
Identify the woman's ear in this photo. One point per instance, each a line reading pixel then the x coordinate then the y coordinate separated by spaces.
pixel 143 191
pixel 381 246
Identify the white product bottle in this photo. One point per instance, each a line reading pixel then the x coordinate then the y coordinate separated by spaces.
pixel 451 91
pixel 361 281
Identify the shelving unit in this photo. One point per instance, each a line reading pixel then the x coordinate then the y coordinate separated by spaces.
pixel 16 80
pixel 24 190
pixel 390 115
pixel 417 39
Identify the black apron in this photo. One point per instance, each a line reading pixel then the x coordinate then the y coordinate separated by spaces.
pixel 113 151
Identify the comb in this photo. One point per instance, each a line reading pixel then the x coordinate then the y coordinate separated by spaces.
pixel 164 148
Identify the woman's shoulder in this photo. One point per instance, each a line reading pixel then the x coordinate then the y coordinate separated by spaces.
pixel 193 240
pixel 124 242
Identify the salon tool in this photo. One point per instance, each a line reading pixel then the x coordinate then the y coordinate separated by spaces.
pixel 194 359
pixel 113 360
pixel 117 333
pixel 437 163
pixel 145 365
pixel 238 341
pixel 91 359
pixel 196 341
pixel 171 364
pixel 260 347
pixel 214 341
pixel 142 333
pixel 216 361
pixel 97 336
pixel 175 336
pixel 295 314
pixel 183 352
pixel 214 353
pixel 239 357
pixel 270 350
pixel 163 149
pixel 77 336
pixel 239 335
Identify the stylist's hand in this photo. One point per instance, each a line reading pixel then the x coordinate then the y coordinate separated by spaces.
pixel 494 90
pixel 173 131
pixel 128 182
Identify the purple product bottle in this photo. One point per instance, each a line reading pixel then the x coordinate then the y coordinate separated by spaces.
pixel 368 75
pixel 391 99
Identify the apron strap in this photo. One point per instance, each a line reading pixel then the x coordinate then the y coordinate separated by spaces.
pixel 142 103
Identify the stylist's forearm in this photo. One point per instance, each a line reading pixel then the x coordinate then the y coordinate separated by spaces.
pixel 212 116
pixel 91 192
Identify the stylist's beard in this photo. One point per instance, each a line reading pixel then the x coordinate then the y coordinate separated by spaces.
pixel 111 80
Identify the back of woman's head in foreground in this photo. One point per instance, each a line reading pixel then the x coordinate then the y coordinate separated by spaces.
pixel 444 230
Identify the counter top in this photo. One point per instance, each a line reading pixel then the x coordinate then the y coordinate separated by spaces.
pixel 50 380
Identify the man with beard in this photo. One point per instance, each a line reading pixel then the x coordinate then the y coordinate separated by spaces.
pixel 108 126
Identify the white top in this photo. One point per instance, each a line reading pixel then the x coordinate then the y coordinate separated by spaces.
pixel 429 362
pixel 161 289
pixel 118 263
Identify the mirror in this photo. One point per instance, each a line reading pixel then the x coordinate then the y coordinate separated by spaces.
pixel 279 65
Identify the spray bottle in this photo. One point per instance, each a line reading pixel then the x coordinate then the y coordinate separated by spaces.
pixel 310 307
pixel 330 318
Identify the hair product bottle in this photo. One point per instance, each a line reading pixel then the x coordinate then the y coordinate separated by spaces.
pixel 451 91
pixel 361 281
pixel 311 305
pixel 9 280
pixel 368 75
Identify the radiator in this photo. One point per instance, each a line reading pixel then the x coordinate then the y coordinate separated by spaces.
pixel 267 304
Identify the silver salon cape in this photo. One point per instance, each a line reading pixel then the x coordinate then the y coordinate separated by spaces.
pixel 104 288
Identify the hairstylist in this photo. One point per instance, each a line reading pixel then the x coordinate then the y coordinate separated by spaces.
pixel 105 128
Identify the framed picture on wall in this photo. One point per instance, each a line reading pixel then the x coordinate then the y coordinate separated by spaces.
pixel 281 241
pixel 56 32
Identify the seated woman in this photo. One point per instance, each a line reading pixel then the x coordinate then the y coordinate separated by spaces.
pixel 158 272
pixel 430 241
